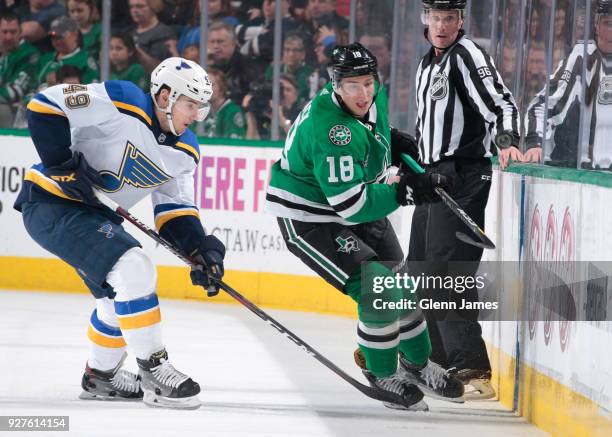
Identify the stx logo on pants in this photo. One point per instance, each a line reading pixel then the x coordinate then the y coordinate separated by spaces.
pixel 347 245
pixel 69 178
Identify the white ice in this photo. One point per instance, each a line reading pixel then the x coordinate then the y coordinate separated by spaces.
pixel 254 381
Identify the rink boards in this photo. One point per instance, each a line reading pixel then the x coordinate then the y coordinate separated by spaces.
pixel 565 368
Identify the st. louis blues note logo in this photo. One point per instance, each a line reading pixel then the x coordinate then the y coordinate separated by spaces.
pixel 107 230
pixel 136 170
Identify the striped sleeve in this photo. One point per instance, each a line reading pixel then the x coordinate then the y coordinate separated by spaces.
pixel 564 89
pixel 176 217
pixel 486 88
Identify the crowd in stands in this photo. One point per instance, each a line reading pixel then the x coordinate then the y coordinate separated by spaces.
pixel 45 42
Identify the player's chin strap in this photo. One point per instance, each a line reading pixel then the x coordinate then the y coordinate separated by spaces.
pixel 168 112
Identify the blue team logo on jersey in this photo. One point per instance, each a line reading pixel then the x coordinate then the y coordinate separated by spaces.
pixel 136 170
pixel 107 230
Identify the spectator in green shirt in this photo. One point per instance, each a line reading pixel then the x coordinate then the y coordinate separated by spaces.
pixel 123 61
pixel 294 63
pixel 86 14
pixel 66 40
pixel 18 60
pixel 226 119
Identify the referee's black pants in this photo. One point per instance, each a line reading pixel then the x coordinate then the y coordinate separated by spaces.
pixel 456 336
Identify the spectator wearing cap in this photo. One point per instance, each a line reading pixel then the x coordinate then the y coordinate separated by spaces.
pixel 124 65
pixel 294 64
pixel 18 62
pixel 226 119
pixel 154 41
pixel 36 18
pixel 66 40
pixel 256 37
pixel 223 54
pixel 86 14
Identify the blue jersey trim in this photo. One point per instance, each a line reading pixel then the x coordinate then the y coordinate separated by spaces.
pixel 41 97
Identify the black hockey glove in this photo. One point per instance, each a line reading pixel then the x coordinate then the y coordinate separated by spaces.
pixel 209 257
pixel 415 189
pixel 77 178
pixel 402 142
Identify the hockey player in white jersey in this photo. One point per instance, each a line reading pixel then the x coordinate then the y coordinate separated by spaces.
pixel 129 145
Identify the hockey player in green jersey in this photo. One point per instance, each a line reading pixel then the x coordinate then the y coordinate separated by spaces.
pixel 332 192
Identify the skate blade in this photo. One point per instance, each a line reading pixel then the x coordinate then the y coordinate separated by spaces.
pixel 419 406
pixel 482 390
pixel 87 396
pixel 432 394
pixel 153 400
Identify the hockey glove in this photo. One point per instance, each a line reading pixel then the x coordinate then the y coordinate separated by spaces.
pixel 209 259
pixel 415 189
pixel 76 178
pixel 402 142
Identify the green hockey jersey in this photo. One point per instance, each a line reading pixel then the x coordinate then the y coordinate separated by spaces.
pixel 334 167
pixel 17 72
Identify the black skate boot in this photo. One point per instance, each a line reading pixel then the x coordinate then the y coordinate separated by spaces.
pixel 433 380
pixel 477 383
pixel 164 386
pixel 112 385
pixel 395 383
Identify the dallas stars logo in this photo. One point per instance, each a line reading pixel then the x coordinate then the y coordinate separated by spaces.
pixel 348 245
pixel 340 135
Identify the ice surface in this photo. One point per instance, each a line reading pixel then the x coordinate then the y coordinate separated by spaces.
pixel 255 382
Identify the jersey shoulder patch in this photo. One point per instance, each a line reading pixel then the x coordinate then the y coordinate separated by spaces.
pixel 340 135
pixel 130 100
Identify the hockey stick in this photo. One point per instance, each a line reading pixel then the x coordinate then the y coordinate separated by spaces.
pixel 372 392
pixel 481 239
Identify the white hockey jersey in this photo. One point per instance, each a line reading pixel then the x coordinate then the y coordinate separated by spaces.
pixel 113 124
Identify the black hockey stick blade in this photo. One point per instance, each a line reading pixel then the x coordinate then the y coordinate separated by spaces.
pixel 479 238
pixel 371 392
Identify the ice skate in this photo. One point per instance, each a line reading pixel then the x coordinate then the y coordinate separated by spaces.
pixel 477 383
pixel 433 380
pixel 164 386
pixel 395 383
pixel 113 385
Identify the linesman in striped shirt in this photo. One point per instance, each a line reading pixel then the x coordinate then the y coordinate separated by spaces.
pixel 564 107
pixel 464 110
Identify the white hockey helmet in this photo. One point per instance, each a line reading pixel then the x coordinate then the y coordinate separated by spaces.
pixel 182 77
